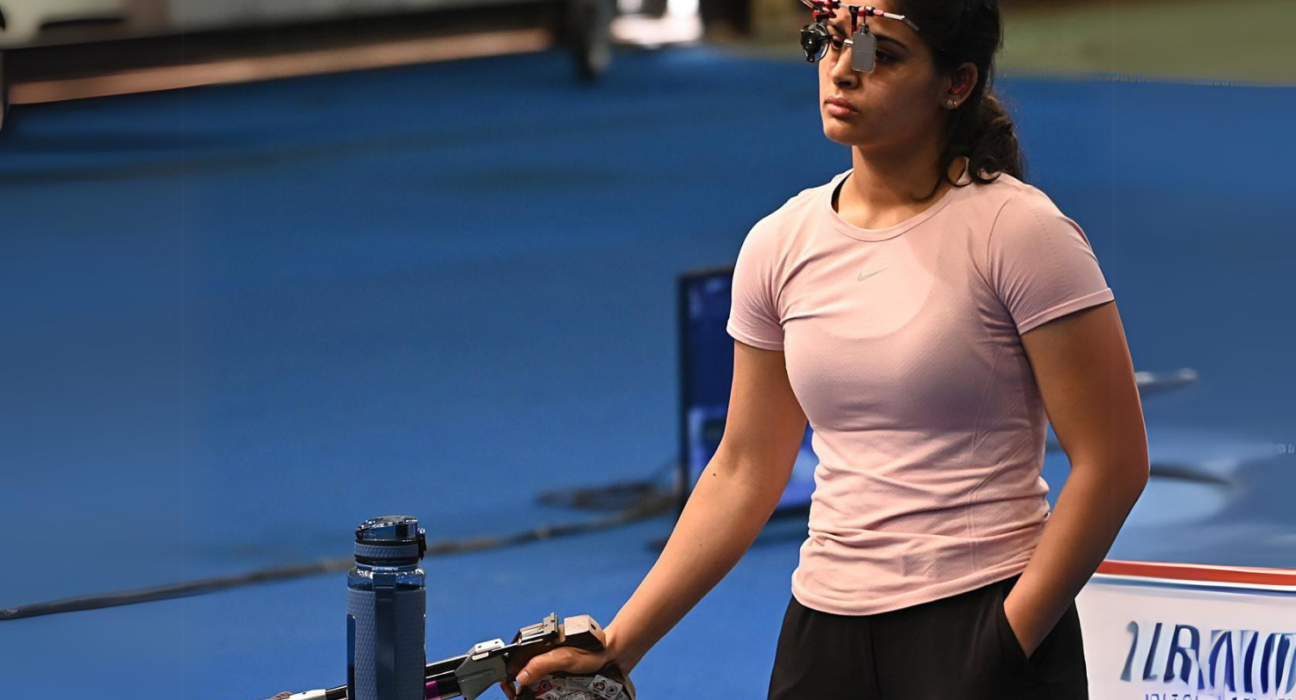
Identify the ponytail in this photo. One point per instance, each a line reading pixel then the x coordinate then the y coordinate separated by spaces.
pixel 970 31
pixel 987 136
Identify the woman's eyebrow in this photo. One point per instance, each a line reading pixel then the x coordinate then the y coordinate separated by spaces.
pixel 893 40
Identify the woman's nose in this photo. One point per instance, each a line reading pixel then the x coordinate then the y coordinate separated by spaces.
pixel 840 69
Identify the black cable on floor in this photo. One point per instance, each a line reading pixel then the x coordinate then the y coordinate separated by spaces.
pixel 641 500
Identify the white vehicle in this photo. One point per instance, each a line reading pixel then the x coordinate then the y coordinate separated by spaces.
pixel 581 26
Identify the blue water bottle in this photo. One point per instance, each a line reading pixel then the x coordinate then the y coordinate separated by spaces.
pixel 386 608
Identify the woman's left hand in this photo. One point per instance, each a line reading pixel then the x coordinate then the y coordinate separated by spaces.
pixel 1024 631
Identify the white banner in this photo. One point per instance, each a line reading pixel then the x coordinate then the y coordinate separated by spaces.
pixel 1182 632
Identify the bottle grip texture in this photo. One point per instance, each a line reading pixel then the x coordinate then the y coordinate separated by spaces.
pixel 388 649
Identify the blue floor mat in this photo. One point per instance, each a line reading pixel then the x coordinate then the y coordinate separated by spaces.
pixel 251 316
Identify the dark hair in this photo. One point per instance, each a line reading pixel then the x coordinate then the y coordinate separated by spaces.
pixel 959 31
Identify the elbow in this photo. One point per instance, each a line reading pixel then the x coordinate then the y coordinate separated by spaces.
pixel 1134 473
pixel 1134 476
pixel 1123 465
pixel 1129 477
pixel 1139 481
pixel 1141 471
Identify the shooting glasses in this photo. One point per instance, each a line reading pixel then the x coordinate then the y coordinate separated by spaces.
pixel 815 37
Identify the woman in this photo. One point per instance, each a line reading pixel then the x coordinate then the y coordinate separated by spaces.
pixel 929 313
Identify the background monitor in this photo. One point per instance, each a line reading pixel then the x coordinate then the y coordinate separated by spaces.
pixel 706 376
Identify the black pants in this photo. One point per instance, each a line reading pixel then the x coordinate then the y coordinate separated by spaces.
pixel 955 648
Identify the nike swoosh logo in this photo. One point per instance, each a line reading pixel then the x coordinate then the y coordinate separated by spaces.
pixel 861 277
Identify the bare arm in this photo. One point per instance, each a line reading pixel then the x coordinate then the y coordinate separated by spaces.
pixel 732 501
pixel 1086 378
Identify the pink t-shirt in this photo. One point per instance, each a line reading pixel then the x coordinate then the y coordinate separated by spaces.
pixel 903 347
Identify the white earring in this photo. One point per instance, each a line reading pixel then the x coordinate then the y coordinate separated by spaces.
pixel 951 104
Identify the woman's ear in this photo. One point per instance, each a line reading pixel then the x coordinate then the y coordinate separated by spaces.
pixel 964 80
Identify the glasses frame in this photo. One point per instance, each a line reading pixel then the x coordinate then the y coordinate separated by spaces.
pixel 827 8
pixel 815 37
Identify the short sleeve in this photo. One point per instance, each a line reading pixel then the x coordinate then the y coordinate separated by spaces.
pixel 1040 262
pixel 753 318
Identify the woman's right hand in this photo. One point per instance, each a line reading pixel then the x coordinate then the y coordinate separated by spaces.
pixel 569 660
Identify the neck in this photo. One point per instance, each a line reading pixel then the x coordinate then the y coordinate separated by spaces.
pixel 889 179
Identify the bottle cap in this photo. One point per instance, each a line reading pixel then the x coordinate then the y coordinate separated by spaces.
pixel 390 539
